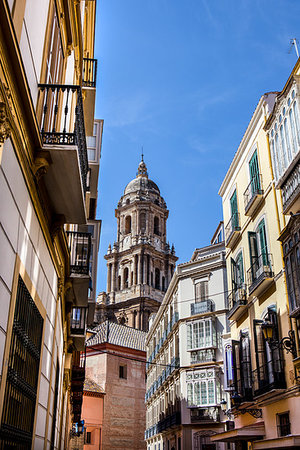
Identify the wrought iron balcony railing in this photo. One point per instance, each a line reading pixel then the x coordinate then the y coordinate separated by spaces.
pixel 236 299
pixel 232 227
pixel 63 120
pixel 242 384
pixel 291 190
pixel 78 321
pixel 260 272
pixel 89 74
pixel 253 192
pixel 201 307
pixel 80 250
pixel 268 377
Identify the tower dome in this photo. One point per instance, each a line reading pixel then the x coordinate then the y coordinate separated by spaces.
pixel 141 182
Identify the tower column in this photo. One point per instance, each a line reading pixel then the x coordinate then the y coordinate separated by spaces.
pixel 109 278
pixel 113 279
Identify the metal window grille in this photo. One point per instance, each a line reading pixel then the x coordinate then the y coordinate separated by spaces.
pixel 22 374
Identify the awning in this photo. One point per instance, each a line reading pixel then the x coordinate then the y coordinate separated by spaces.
pixel 248 433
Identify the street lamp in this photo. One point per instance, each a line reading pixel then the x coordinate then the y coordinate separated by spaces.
pixel 287 343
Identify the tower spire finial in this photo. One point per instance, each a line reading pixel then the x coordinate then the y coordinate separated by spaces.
pixel 142 154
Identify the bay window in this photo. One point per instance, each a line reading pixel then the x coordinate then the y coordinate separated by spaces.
pixel 202 387
pixel 201 334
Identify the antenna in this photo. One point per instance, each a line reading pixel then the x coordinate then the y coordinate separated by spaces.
pixel 142 153
pixel 294 42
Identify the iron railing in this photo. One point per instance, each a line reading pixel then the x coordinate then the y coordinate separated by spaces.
pixel 291 188
pixel 253 189
pixel 63 120
pixel 77 383
pixel 269 376
pixel 89 72
pixel 201 307
pixel 242 384
pixel 236 298
pixel 80 251
pixel 232 226
pixel 78 321
pixel 260 269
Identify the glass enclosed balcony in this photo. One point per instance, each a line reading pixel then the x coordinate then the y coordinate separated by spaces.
pixel 291 191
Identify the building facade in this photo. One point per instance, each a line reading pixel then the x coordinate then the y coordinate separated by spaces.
pixel 185 358
pixel 116 361
pixel 262 352
pixel 140 264
pixel 47 94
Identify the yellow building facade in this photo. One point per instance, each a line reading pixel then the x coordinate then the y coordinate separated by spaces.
pixel 261 352
pixel 47 96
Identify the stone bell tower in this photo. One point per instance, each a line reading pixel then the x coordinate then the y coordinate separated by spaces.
pixel 140 263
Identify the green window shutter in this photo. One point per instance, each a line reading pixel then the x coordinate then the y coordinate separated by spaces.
pixel 234 211
pixel 263 242
pixel 253 250
pixel 254 173
pixel 233 275
pixel 240 270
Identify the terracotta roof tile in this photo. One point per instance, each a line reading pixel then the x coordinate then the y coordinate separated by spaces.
pixel 116 334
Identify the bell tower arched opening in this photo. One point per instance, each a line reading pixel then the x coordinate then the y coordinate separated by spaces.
pixel 127 224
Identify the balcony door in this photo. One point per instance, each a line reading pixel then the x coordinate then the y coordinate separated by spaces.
pixel 234 211
pixel 254 174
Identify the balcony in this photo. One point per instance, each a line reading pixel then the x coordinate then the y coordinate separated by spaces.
pixel 80 250
pixel 204 415
pixel 232 230
pixel 291 192
pixel 64 141
pixel 269 377
pixel 201 307
pixel 77 382
pixel 260 275
pixel 203 356
pixel 78 327
pixel 253 195
pixel 237 302
pixel 89 72
pixel 169 421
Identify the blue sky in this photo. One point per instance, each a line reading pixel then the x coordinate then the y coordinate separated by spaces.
pixel 182 79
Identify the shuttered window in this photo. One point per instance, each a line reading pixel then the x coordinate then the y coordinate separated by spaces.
pixel 254 174
pixel 201 291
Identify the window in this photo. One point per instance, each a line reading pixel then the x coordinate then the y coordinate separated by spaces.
pixel 126 277
pixel 269 372
pixel 201 334
pixel 237 272
pixel 127 224
pixel 254 174
pixel 156 225
pixel 157 278
pixel 23 370
pixel 55 53
pixel 55 406
pixel 88 437
pixel 143 222
pixel 234 211
pixel 201 291
pixel 284 136
pixel 202 387
pixel 259 256
pixel 283 424
pixel 123 371
pixel 291 251
pixel 237 366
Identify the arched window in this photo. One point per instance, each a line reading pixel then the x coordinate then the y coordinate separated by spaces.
pixel 143 222
pixel 126 277
pixel 127 224
pixel 157 278
pixel 156 225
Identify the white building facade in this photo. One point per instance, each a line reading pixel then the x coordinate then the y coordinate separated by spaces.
pixel 184 354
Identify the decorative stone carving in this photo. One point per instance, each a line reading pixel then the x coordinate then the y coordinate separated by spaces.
pixel 41 164
pixel 5 128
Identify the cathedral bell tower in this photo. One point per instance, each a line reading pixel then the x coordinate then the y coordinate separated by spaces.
pixel 140 264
